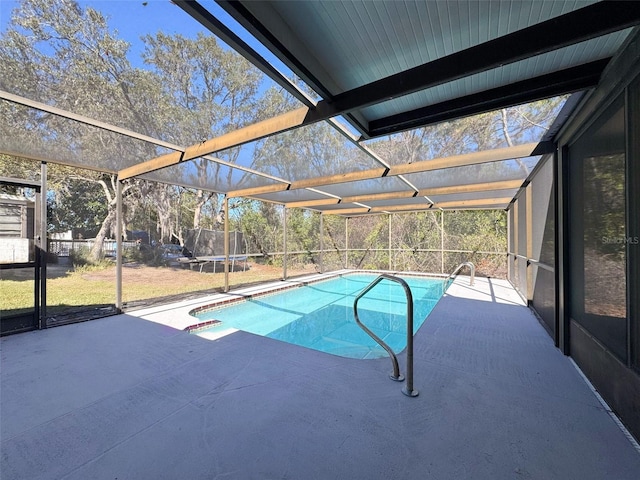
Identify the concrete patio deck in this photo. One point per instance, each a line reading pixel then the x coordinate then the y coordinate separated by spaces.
pixel 134 397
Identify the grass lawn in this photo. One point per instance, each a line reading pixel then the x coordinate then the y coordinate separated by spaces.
pixel 68 288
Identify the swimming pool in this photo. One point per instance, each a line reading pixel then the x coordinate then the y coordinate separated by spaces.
pixel 320 315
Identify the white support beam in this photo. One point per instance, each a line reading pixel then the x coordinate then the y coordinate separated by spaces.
pixel 389 246
pixel 44 245
pixel 226 244
pixel 442 241
pixel 118 245
pixel 284 243
pixel 346 242
pixel 321 244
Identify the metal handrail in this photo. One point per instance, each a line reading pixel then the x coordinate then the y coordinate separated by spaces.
pixel 531 261
pixel 396 375
pixel 472 268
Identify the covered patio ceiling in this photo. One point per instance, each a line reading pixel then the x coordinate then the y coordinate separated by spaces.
pixel 376 69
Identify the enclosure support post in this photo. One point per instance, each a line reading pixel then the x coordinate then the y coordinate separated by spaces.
pixel 509 243
pixel 346 242
pixel 562 250
pixel 529 224
pixel 226 243
pixel 321 243
pixel 37 255
pixel 235 249
pixel 284 244
pixel 44 247
pixel 119 246
pixel 390 264
pixel 516 245
pixel 442 241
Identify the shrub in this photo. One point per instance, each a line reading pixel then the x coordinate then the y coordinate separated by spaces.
pixel 81 260
pixel 146 255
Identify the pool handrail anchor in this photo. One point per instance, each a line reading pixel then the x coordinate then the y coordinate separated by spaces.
pixel 395 375
pixel 472 269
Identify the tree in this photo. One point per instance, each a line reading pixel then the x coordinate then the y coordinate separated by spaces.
pixel 77 207
pixel 65 55
pixel 213 91
pixel 18 168
pixel 61 54
pixel 261 224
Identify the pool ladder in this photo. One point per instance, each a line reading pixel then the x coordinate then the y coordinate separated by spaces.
pixel 395 375
pixel 472 269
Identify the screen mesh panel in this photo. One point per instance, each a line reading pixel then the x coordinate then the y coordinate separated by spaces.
pixel 486 172
pixel 398 202
pixel 598 230
pixel 365 187
pixel 512 244
pixel 29 132
pixel 543 238
pixel 300 195
pixel 521 264
pixel 460 197
pixel 207 175
pixel 308 152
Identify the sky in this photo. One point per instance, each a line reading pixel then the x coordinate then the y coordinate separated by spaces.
pixel 135 18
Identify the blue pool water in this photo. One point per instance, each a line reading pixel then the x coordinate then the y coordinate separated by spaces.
pixel 320 315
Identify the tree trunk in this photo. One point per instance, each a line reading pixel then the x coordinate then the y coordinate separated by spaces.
pixel 164 215
pixel 96 250
pixel 507 137
pixel 197 214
